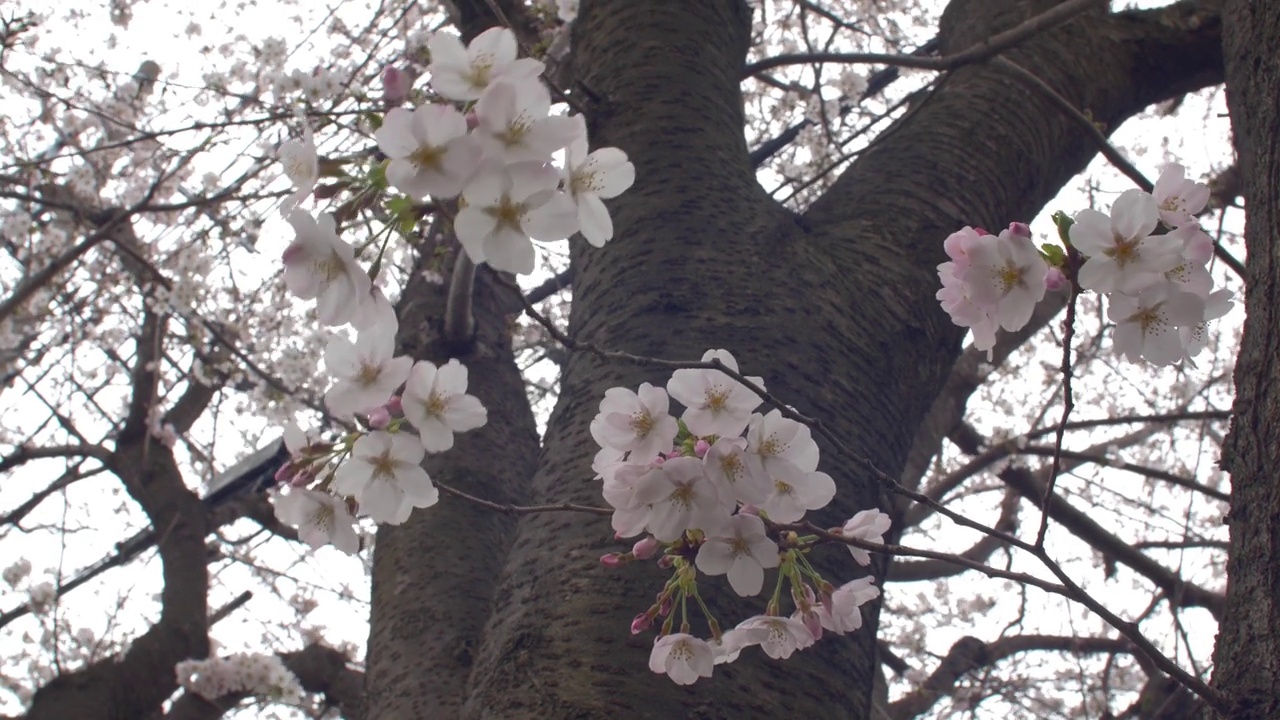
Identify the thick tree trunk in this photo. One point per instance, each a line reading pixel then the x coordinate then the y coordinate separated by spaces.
pixel 834 309
pixel 1247 657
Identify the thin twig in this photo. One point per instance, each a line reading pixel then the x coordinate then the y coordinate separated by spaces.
pixel 994 45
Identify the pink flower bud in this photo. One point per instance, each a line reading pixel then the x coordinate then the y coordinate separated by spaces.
pixel 394 407
pixel 1020 229
pixel 675 452
pixel 641 623
pixel 645 548
pixel 666 561
pixel 665 608
pixel 473 120
pixel 748 509
pixel 395 85
pixel 379 419
pixel 812 623
pixel 1055 280
pixel 611 560
pixel 285 473
pixel 981 231
pixel 701 447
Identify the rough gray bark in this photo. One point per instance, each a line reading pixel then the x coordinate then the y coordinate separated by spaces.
pixel 702 259
pixel 1247 656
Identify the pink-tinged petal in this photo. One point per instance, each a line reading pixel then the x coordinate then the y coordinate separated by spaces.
pixel 746 577
pixel 498 107
pixel 436 437
pixel 555 220
pixel 1134 214
pixel 528 179
pixel 344 536
pixel 408 178
pixel 341 359
pixel 522 70
pixel 405 449
pixel 447 48
pixel 1100 274
pixel 593 216
pixel 351 477
pixel 487 188
pixel 396 137
pixel 472 227
pixel 510 251
pixel 465 413
pixel 381 500
pixel 451 378
pixel 1091 232
pixel 549 134
pixel 654 398
pixel 422 379
pixel 438 124
pixel 715 557
pixel 498 43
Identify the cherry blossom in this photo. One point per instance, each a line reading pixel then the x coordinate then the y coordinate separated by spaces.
pixel 779 637
pixel 680 497
pixel 1007 275
pixel 726 464
pixel 954 295
pixel 1192 274
pixel 1194 337
pixel 396 84
pixel 637 422
pixel 592 178
pixel 1179 199
pixel 366 371
pixel 843 614
pixel 507 206
pixel 868 525
pixel 741 550
pixel 682 657
pixel 514 125
pixel 320 266
pixel 302 167
pixel 780 448
pixel 430 150
pixel 991 281
pixel 1122 254
pixel 321 519
pixel 789 500
pixel 384 476
pixel 1147 325
pixel 462 72
pixel 435 401
pixel 242 673
pixel 715 404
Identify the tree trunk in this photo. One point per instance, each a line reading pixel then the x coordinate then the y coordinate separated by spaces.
pixel 1247 657
pixel 835 309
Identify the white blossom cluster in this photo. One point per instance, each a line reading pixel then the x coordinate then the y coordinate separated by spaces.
pixel 1160 290
pixel 705 481
pixel 498 158
pixel 257 674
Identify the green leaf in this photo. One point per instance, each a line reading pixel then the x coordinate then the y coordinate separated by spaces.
pixel 1054 254
pixel 1064 223
pixel 378 176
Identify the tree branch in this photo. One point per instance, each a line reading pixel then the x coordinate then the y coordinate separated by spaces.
pixel 969 654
